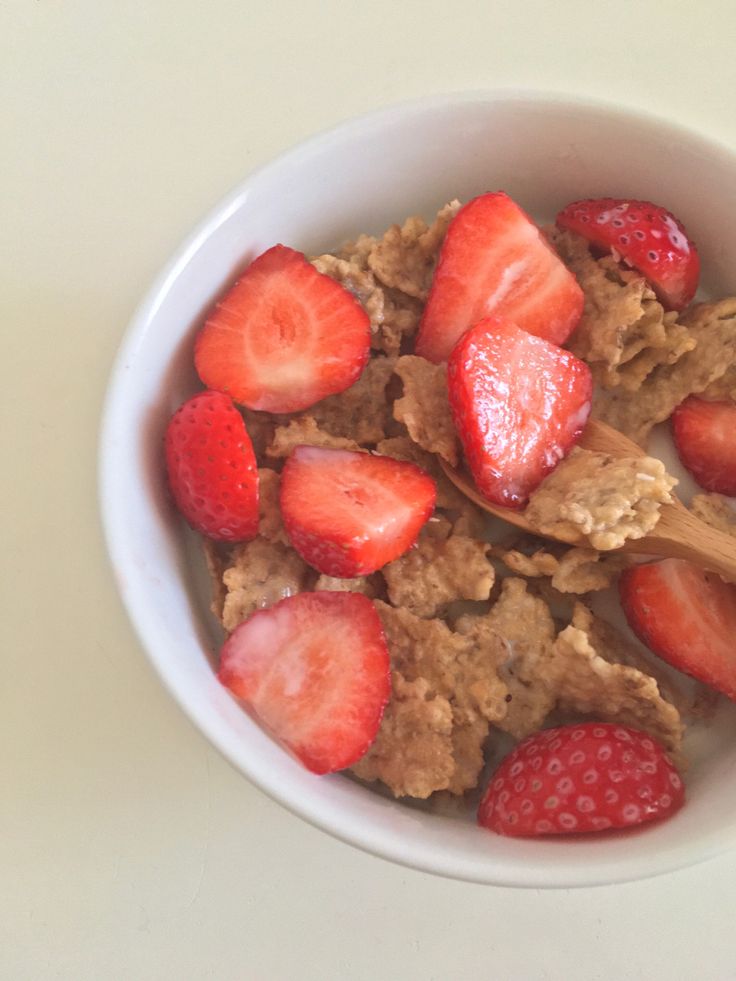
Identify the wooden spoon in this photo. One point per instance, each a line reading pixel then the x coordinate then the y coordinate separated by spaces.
pixel 677 534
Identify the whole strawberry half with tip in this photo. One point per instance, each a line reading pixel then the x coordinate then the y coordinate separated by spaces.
pixel 591 777
pixel 314 668
pixel 685 615
pixel 705 438
pixel 349 514
pixel 212 469
pixel 519 404
pixel 284 337
pixel 647 237
pixel 495 261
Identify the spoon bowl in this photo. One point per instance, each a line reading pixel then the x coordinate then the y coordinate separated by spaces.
pixel 677 534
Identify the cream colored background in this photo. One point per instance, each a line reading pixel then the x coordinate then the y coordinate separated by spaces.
pixel 128 848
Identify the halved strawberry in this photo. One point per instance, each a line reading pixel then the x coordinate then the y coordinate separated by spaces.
pixel 646 237
pixel 685 615
pixel 348 514
pixel 705 437
pixel 494 260
pixel 582 778
pixel 519 404
pixel 284 337
pixel 315 670
pixel 211 468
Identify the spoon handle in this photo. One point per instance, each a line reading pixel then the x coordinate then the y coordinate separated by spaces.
pixel 680 535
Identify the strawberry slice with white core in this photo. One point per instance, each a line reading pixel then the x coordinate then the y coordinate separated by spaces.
pixel 647 237
pixel 284 337
pixel 314 668
pixel 348 514
pixel 495 261
pixel 705 438
pixel 685 615
pixel 519 405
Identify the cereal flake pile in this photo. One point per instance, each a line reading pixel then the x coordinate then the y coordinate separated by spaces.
pixel 493 637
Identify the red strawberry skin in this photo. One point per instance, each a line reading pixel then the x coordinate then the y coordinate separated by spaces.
pixel 314 668
pixel 685 615
pixel 583 778
pixel 212 468
pixel 495 261
pixel 284 337
pixel 705 438
pixel 349 514
pixel 646 237
pixel 519 405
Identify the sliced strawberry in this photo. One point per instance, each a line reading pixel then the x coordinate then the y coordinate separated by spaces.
pixel 581 778
pixel 348 514
pixel 705 437
pixel 284 337
pixel 315 670
pixel 519 404
pixel 212 468
pixel 646 237
pixel 494 260
pixel 685 615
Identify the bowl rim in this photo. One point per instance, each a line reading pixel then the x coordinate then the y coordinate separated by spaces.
pixel 388 845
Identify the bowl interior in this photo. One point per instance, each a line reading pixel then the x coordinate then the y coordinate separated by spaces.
pixel 361 177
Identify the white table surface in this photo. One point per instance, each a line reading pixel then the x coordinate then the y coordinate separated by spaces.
pixel 129 849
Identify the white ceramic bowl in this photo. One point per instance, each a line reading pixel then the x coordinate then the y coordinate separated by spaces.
pixel 361 176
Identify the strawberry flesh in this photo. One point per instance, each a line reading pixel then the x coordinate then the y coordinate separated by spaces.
pixel 314 668
pixel 519 405
pixel 348 514
pixel 685 615
pixel 646 237
pixel 284 337
pixel 704 438
pixel 212 468
pixel 591 777
pixel 495 261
